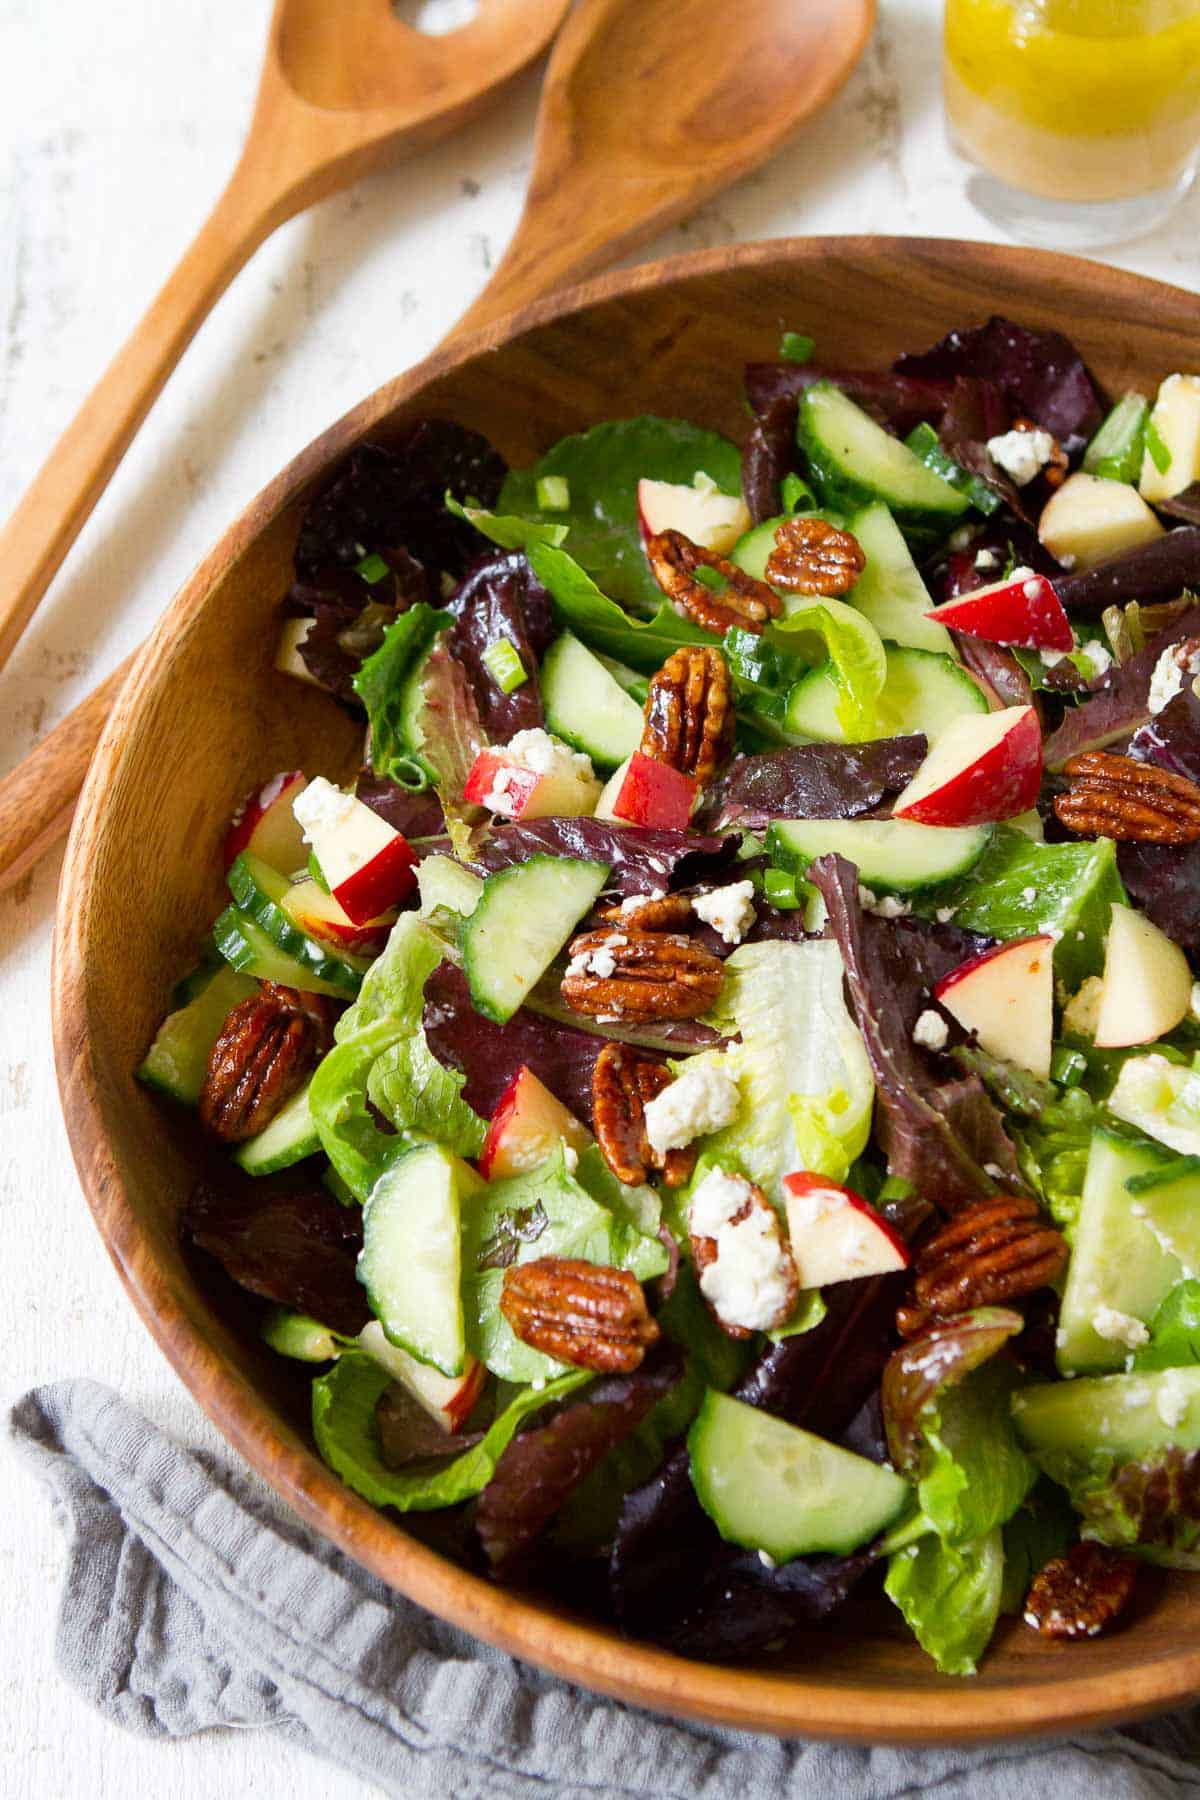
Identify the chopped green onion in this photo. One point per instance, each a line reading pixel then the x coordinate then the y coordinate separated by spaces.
pixel 504 665
pixel 1160 456
pixel 372 568
pixel 779 885
pixel 1067 1067
pixel 797 495
pixel 553 493
pixel 795 347
pixel 316 872
pixel 704 483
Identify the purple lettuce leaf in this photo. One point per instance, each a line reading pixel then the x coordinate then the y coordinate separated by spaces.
pixel 451 731
pixel 294 1245
pixel 408 1434
pixel 350 618
pixel 1008 540
pixel 996 670
pixel 811 781
pixel 1171 738
pixel 1164 879
pixel 900 401
pixel 938 1135
pixel 489 1055
pixel 1040 374
pixel 1122 704
pixel 1153 1504
pixel 544 1466
pixel 641 859
pixel 1155 571
pixel 976 412
pixel 914 954
pixel 769 455
pixel 416 815
pixel 502 598
pixel 920 1371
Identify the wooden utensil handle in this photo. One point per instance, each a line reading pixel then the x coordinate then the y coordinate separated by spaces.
pixel 52 512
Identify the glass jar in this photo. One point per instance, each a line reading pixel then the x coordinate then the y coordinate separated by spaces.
pixel 1080 118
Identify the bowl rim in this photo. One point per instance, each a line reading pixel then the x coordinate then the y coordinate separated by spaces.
pixel 758 1698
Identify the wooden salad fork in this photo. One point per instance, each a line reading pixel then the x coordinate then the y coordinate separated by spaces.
pixel 649 107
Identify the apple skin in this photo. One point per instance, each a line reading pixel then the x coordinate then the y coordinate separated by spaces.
pixel 526 1128
pixel 1026 612
pixel 265 825
pixel 1146 988
pixel 448 1399
pixel 322 917
pixel 528 793
pixel 1005 996
pixel 992 770
pixel 654 794
pixel 715 521
pixel 380 884
pixel 847 1241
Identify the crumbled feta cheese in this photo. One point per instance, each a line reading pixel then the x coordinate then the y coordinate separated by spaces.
pixel 570 1158
pixel 866 897
pixel 1174 663
pixel 1082 1011
pixel 1119 1328
pixel 749 1282
pixel 499 800
pixel 1100 659
pixel 600 962
pixel 1021 454
pixel 767 1560
pixel 986 559
pixel 538 1383
pixel 961 536
pixel 537 750
pixel 1171 1402
pixel 321 807
pixel 944 914
pixel 635 902
pixel 702 1100
pixel 1029 895
pixel 729 910
pixel 1052 658
pixel 994 1170
pixel 931 1030
pixel 886 906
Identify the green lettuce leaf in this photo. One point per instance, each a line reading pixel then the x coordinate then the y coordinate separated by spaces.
pixel 1042 1527
pixel 383 685
pixel 603 467
pixel 1051 1127
pixel 950 1595
pixel 857 661
pixel 343 1413
pixel 603 625
pixel 1149 1503
pixel 974 1474
pixel 422 1099
pixel 521 1219
pixel 1174 1331
pixel 510 532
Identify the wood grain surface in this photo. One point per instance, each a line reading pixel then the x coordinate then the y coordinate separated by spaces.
pixel 204 718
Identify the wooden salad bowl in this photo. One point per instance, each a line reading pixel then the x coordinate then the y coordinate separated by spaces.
pixel 204 718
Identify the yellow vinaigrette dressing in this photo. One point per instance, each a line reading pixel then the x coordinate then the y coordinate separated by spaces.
pixel 1076 100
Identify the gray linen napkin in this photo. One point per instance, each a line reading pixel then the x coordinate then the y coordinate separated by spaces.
pixel 191 1600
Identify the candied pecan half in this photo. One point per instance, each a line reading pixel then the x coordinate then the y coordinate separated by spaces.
pixel 1055 471
pixel 989 1254
pixel 1135 802
pixel 1080 1594
pixel 706 1251
pixel 743 601
pixel 633 974
pixel 265 1048
pixel 580 1312
pixel 813 557
pixel 689 713
pixel 624 1081
pixel 660 912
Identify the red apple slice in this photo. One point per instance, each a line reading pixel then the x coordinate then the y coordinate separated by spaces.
pixel 984 767
pixel 1006 998
pixel 320 916
pixel 526 1128
pixel 266 825
pixel 513 791
pixel 368 865
pixel 714 520
pixel 835 1235
pixel 653 793
pixel 449 1399
pixel 1024 610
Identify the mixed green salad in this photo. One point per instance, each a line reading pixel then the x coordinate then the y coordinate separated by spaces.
pixel 717 1097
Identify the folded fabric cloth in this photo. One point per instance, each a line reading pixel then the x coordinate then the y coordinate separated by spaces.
pixel 193 1599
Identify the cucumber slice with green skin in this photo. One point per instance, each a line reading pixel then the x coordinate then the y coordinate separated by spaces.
pixel 890 591
pixel 259 891
pixel 1116 450
pixel 753 548
pixel 288 1139
pixel 586 706
pixel 892 856
pixel 923 441
pixel 921 692
pixel 524 917
pixel 768 1485
pixel 635 685
pixel 411 1259
pixel 1111 1415
pixel 244 944
pixel 1116 1259
pixel 854 461
pixel 177 1061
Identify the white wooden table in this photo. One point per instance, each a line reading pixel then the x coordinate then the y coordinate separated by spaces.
pixel 118 123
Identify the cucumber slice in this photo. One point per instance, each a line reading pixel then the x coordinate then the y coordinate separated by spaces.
pixel 893 856
pixel 444 882
pixel 524 917
pixel 1116 1260
pixel 288 1139
pixel 754 546
pixel 1111 1415
pixel 411 1259
pixel 244 944
pixel 890 591
pixel 854 461
pixel 177 1060
pixel 921 692
pixel 586 706
pixel 769 1486
pixel 1116 450
pixel 259 892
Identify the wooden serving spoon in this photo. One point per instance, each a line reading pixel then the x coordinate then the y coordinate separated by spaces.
pixel 649 107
